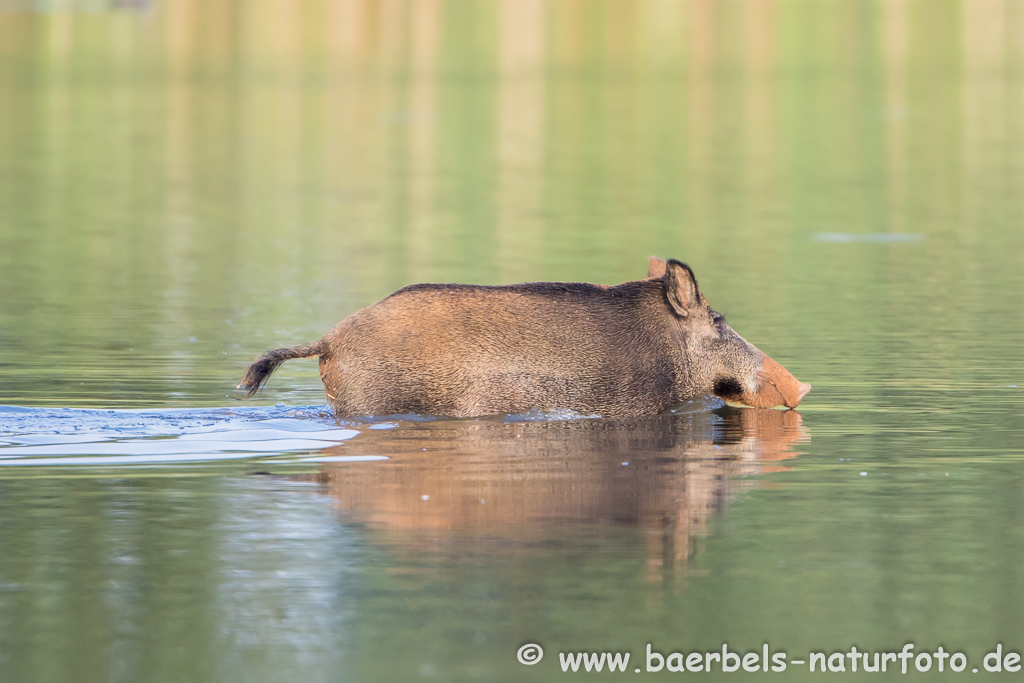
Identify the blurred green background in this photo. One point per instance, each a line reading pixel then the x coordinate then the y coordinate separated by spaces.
pixel 185 184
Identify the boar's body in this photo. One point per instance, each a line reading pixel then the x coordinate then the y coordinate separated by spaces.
pixel 462 350
pixel 474 350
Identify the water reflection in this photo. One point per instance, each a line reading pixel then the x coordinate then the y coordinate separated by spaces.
pixel 667 475
pixel 251 577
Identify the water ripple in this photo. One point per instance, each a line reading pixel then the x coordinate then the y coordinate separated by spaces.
pixel 47 437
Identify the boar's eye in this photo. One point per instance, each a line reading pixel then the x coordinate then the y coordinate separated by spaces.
pixel 718 321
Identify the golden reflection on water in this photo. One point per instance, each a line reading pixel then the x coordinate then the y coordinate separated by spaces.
pixel 667 475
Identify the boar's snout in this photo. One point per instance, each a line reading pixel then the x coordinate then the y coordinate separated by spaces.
pixel 776 386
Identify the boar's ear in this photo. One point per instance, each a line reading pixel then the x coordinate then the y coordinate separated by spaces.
pixel 655 267
pixel 681 288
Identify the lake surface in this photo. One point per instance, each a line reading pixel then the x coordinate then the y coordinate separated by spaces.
pixel 184 185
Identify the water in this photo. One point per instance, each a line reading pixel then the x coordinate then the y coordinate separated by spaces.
pixel 186 185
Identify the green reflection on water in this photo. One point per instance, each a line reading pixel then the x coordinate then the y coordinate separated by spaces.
pixel 184 187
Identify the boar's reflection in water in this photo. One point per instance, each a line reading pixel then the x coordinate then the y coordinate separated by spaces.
pixel 524 482
pixel 462 350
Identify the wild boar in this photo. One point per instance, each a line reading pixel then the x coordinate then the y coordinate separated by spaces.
pixel 464 350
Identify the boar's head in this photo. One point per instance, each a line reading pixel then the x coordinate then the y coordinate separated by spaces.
pixel 717 360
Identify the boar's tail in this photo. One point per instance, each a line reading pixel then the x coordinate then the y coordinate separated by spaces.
pixel 259 371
